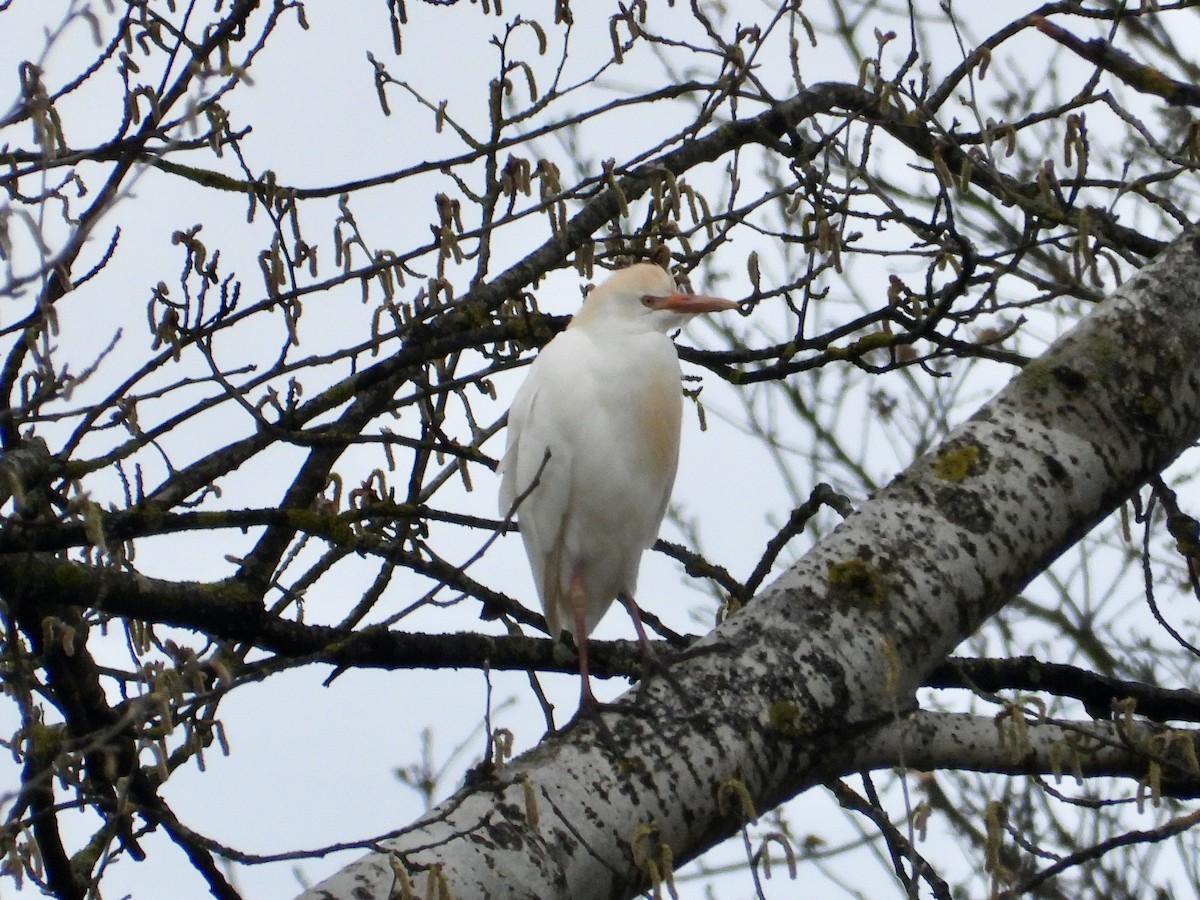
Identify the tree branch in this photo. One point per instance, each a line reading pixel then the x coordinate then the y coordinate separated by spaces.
pixel 1096 692
pixel 836 647
pixel 1010 744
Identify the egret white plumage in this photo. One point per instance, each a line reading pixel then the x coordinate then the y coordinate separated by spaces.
pixel 593 444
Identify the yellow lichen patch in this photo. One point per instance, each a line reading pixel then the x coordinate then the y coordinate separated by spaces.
pixel 853 576
pixel 1150 405
pixel 630 766
pixel 45 742
pixel 865 344
pixel 956 464
pixel 784 716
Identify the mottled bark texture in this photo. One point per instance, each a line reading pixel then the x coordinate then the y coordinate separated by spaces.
pixel 832 652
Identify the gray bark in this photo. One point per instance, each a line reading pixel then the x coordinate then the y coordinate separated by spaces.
pixel 1024 743
pixel 832 652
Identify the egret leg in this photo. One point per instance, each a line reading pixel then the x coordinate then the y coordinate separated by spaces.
pixel 636 614
pixel 589 706
pixel 650 660
pixel 579 617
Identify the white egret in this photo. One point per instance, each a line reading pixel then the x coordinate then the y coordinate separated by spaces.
pixel 593 444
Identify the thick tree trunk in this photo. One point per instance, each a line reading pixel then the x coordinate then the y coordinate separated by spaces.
pixel 832 651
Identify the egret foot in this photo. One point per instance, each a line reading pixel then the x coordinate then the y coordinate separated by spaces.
pixel 592 710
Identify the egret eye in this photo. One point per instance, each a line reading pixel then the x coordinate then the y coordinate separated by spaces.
pixel 648 301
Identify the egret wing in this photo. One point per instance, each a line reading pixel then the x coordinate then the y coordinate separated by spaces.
pixel 536 471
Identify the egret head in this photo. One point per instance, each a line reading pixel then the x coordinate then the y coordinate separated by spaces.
pixel 643 297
